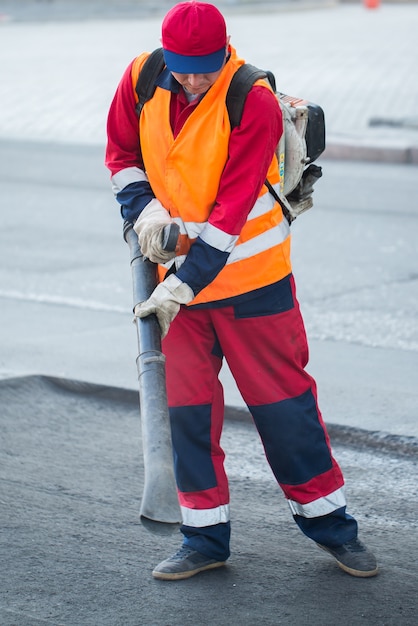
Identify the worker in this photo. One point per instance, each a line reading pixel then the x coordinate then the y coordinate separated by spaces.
pixel 226 292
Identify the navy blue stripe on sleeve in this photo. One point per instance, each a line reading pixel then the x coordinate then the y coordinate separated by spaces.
pixel 202 265
pixel 133 198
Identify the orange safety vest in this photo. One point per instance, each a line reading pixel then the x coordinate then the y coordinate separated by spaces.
pixel 184 174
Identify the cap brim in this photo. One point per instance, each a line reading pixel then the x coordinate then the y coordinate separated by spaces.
pixel 206 64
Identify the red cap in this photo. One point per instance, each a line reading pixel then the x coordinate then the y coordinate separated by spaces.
pixel 194 38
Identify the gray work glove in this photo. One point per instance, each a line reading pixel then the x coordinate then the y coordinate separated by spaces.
pixel 165 302
pixel 149 227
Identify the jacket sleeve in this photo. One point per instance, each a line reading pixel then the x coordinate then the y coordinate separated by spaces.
pixel 251 148
pixel 123 152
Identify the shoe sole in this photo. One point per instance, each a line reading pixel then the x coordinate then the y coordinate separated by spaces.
pixel 358 573
pixel 188 574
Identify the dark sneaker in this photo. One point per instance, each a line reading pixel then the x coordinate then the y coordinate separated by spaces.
pixel 354 558
pixel 185 563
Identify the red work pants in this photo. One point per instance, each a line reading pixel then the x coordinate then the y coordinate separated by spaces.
pixel 264 343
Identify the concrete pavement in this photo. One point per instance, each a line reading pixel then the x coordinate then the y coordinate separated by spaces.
pixel 58 77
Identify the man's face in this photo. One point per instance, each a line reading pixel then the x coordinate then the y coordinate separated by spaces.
pixel 197 84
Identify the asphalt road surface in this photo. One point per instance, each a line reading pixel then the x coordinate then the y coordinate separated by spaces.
pixel 73 551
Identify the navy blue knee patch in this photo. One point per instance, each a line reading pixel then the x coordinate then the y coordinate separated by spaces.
pixel 190 429
pixel 293 438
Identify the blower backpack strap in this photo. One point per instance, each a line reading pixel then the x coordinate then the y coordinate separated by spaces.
pixel 241 83
pixel 145 86
pixel 239 88
pixel 302 141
